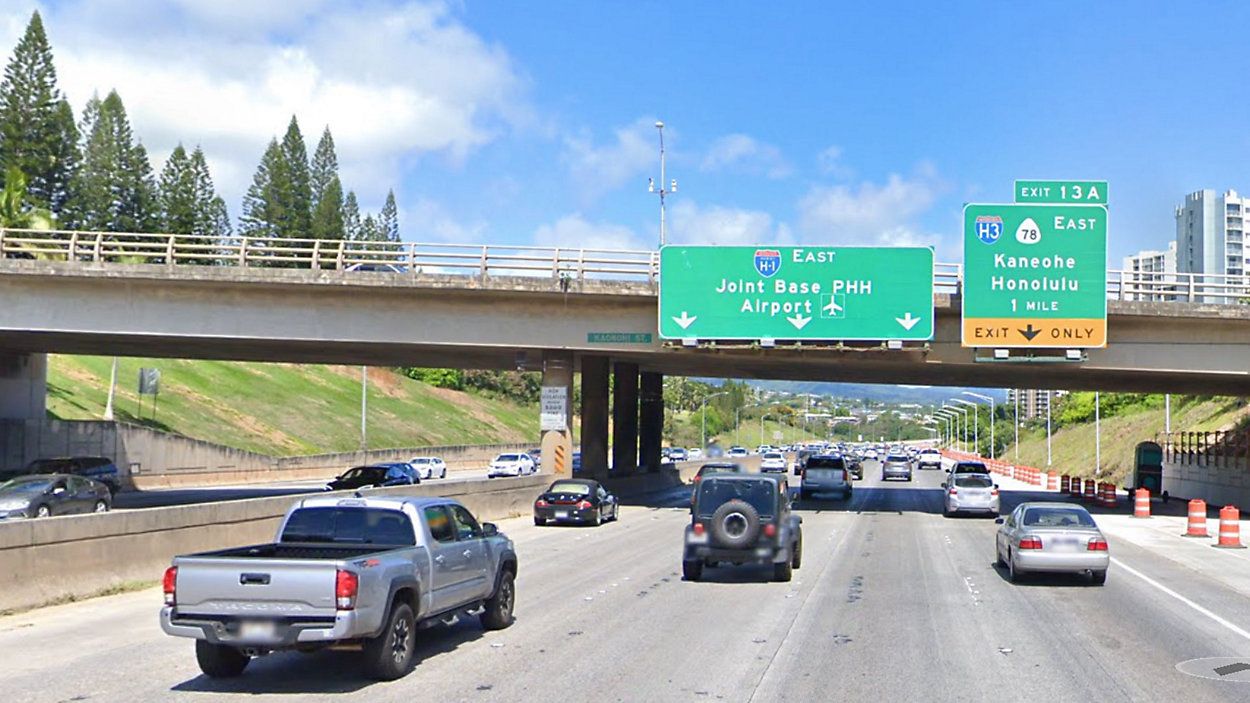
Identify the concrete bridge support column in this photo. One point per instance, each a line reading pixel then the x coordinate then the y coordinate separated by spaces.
pixel 23 386
pixel 624 419
pixel 595 416
pixel 651 421
pixel 557 413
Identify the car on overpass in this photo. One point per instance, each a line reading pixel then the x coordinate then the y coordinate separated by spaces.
pixel 576 501
pixel 374 476
pixel 365 573
pixel 511 464
pixel 1040 537
pixel 428 467
pixel 46 495
pixel 742 519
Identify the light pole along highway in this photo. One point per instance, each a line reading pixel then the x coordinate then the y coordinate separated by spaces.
pixel 989 398
pixel 976 423
pixel 963 413
pixel 952 423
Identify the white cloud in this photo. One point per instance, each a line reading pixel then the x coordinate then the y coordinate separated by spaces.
pixel 575 231
pixel 597 169
pixel 692 224
pixel 740 153
pixel 429 222
pixel 392 82
pixel 871 213
pixel 830 163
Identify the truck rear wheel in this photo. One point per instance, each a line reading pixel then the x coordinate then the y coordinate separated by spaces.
pixel 498 612
pixel 389 655
pixel 219 661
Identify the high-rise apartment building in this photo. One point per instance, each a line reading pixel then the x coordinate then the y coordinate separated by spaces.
pixel 1150 274
pixel 1210 233
pixel 1033 402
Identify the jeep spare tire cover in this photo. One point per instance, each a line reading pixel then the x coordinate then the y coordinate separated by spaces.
pixel 735 525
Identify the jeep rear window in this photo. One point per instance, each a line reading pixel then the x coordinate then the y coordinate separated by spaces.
pixel 762 495
pixel 349 526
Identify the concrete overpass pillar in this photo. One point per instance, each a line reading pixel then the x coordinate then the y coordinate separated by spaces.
pixel 595 416
pixel 651 421
pixel 556 413
pixel 624 419
pixel 23 386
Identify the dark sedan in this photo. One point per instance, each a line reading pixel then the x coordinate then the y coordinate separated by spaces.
pixel 96 468
pixel 374 477
pixel 46 495
pixel 577 501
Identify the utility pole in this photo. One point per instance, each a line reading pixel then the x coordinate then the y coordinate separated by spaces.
pixel 1097 435
pixel 1048 429
pixel 364 406
pixel 672 187
pixel 1015 420
pixel 108 406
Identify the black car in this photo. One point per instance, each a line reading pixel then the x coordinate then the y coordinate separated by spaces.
pixel 96 468
pixel 854 464
pixel 374 476
pixel 743 519
pixel 45 495
pixel 579 501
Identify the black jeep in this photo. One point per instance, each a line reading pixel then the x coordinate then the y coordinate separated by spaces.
pixel 743 519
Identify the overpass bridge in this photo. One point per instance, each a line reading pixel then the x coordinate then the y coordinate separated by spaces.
pixel 555 310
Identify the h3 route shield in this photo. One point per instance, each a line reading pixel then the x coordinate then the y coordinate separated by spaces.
pixel 796 293
pixel 1035 276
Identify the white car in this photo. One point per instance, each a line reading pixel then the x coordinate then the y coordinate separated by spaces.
pixel 763 449
pixel 512 465
pixel 429 467
pixel 737 452
pixel 773 462
pixel 695 453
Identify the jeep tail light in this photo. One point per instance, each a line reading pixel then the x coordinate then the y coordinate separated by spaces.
pixel 1097 544
pixel 346 587
pixel 584 505
pixel 170 585
pixel 699 529
pixel 1031 543
pixel 770 530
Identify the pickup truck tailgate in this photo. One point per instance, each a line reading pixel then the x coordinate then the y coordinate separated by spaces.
pixel 275 587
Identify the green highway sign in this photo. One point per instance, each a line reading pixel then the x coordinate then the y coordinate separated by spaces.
pixel 800 293
pixel 1062 192
pixel 1035 276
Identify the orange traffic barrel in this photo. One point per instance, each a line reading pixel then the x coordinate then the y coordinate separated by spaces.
pixel 1065 484
pixel 1108 495
pixel 1089 490
pixel 1141 503
pixel 1197 519
pixel 1053 481
pixel 1230 528
pixel 1075 487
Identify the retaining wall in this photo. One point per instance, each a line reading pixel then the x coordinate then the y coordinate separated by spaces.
pixel 45 560
pixel 1215 485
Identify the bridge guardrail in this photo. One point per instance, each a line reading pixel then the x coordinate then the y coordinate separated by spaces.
pixel 482 260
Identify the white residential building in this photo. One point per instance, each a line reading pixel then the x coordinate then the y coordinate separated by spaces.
pixel 1148 274
pixel 1210 238
pixel 1033 402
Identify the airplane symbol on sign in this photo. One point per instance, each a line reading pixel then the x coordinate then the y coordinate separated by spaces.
pixel 833 305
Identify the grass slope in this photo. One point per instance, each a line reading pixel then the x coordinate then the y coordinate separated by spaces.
pixel 1072 447
pixel 284 409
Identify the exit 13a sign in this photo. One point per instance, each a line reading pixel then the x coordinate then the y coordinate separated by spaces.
pixel 1062 192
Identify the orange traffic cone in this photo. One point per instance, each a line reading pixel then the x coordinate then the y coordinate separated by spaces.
pixel 1141 503
pixel 1230 528
pixel 1197 519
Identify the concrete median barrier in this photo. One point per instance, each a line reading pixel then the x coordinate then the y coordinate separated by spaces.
pixel 42 561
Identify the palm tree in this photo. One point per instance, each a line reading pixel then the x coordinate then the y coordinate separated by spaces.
pixel 15 214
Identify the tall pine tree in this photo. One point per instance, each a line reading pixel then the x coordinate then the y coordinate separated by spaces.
pixel 300 199
pixel 325 166
pixel 113 189
pixel 265 205
pixel 351 217
pixel 211 217
pixel 388 223
pixel 327 221
pixel 177 194
pixel 369 230
pixel 37 134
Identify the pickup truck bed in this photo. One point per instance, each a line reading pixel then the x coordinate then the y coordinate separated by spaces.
pixel 295 550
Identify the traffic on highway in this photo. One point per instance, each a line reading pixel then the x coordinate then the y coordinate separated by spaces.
pixel 735 587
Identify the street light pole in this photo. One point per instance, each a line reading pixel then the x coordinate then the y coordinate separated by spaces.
pixel 976 424
pixel 364 405
pixel 963 413
pixel 1015 423
pixel 991 399
pixel 1048 429
pixel 1097 435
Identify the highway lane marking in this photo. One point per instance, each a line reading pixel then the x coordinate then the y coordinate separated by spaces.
pixel 1216 618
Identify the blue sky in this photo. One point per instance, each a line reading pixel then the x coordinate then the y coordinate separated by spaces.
pixel 838 123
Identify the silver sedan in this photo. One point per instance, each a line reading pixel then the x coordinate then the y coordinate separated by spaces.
pixel 1051 537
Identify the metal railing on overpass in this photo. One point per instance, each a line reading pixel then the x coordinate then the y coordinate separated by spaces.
pixel 484 260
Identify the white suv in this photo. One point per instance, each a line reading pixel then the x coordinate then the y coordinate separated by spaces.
pixel 519 464
pixel 429 467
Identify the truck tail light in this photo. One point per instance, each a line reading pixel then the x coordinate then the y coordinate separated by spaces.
pixel 770 530
pixel 699 529
pixel 1097 544
pixel 346 587
pixel 170 585
pixel 1031 543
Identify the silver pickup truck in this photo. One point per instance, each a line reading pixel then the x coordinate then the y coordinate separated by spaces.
pixel 347 573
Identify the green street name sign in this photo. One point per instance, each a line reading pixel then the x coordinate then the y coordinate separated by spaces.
pixel 799 293
pixel 1035 276
pixel 1062 192
pixel 618 337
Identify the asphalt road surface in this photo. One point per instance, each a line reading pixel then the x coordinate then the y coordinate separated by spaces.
pixel 893 603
